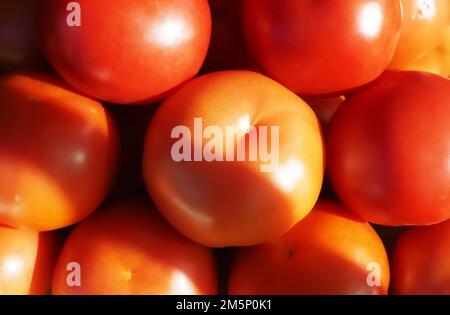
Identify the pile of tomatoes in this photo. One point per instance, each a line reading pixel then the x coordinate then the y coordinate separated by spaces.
pixel 119 174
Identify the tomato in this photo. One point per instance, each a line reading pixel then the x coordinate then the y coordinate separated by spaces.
pixel 322 47
pixel 129 249
pixel 389 150
pixel 18 36
pixel 227 49
pixel 421 261
pixel 58 153
pixel 27 259
pixel 215 197
pixel 126 51
pixel 326 253
pixel 422 30
pixel 431 62
pixel 444 51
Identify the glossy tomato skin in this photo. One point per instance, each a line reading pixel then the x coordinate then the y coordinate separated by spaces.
pixel 27 259
pixel 126 51
pixel 233 203
pixel 322 47
pixel 328 252
pixel 388 148
pixel 422 30
pixel 128 248
pixel 421 262
pixel 58 153
pixel 19 46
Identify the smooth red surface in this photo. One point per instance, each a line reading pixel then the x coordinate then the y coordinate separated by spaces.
pixel 328 252
pixel 58 153
pixel 232 203
pixel 322 47
pixel 389 151
pixel 421 261
pixel 127 51
pixel 128 248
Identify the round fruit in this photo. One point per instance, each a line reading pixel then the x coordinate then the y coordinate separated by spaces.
pixel 125 51
pixel 322 47
pixel 421 261
pixel 58 153
pixel 234 158
pixel 389 150
pixel 129 249
pixel 326 253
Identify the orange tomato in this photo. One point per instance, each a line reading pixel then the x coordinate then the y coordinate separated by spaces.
pixel 422 30
pixel 129 249
pixel 421 260
pixel 230 202
pixel 26 261
pixel 328 252
pixel 58 153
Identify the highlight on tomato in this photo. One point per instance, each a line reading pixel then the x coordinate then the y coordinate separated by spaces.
pixel 233 158
pixel 58 153
pixel 389 151
pixel 27 260
pixel 127 248
pixel 125 51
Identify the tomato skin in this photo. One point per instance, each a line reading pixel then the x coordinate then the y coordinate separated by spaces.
pixel 128 248
pixel 388 148
pixel 421 262
pixel 19 46
pixel 27 259
pixel 325 253
pixel 422 30
pixel 220 212
pixel 58 153
pixel 322 47
pixel 126 51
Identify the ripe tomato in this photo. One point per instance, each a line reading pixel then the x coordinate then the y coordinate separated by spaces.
pixel 26 261
pixel 221 201
pixel 322 47
pixel 325 253
pixel 421 261
pixel 126 51
pixel 389 150
pixel 58 153
pixel 431 62
pixel 18 36
pixel 227 49
pixel 422 30
pixel 129 249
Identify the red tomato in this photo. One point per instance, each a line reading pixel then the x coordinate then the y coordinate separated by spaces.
pixel 126 51
pixel 18 36
pixel 231 202
pixel 322 47
pixel 129 249
pixel 58 153
pixel 227 49
pixel 421 261
pixel 389 150
pixel 422 30
pixel 326 253
pixel 26 261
